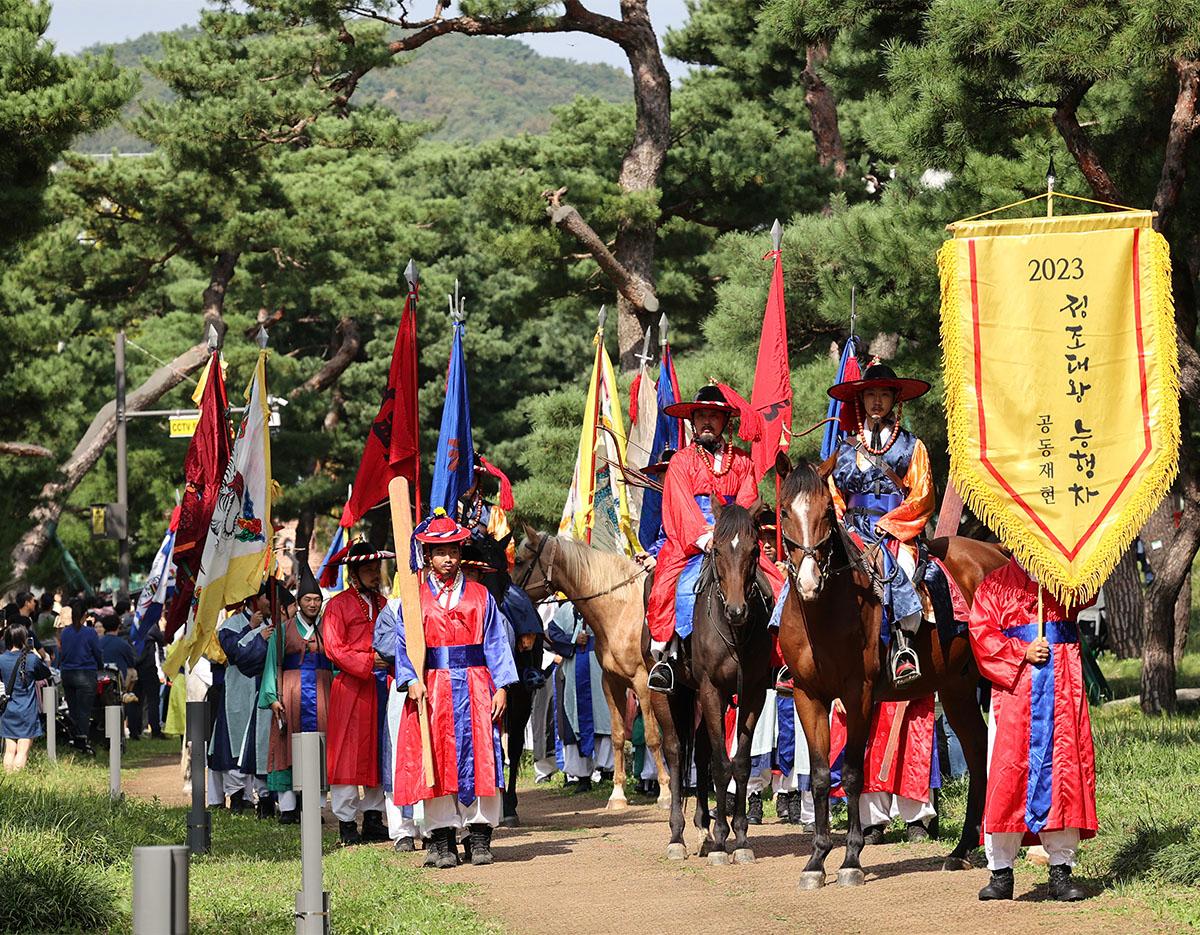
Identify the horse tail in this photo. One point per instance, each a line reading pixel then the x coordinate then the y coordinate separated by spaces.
pixel 683 712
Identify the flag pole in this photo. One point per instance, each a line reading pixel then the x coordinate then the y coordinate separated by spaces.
pixel 399 501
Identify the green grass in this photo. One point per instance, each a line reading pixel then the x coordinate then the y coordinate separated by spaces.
pixel 60 834
pixel 1125 675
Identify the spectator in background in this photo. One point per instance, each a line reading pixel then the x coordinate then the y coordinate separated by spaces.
pixel 147 688
pixel 48 608
pixel 124 616
pixel 79 660
pixel 114 648
pixel 20 668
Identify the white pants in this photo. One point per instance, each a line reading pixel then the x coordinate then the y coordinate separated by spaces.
pixel 216 787
pixel 757 782
pixel 399 824
pixel 649 767
pixel 580 766
pixel 235 780
pixel 879 808
pixel 288 801
pixel 1002 846
pixel 603 757
pixel 447 812
pixel 346 804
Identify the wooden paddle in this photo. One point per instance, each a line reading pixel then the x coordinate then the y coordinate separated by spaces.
pixel 893 742
pixel 410 603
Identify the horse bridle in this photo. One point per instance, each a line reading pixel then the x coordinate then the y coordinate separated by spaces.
pixel 811 551
pixel 548 573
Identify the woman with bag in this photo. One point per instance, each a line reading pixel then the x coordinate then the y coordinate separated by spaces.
pixel 20 668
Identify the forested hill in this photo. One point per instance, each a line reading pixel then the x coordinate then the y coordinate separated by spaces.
pixel 480 88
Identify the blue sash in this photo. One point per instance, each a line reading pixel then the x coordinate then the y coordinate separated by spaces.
pixel 685 587
pixel 1041 719
pixel 464 656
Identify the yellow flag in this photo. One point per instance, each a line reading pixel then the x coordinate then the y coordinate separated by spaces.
pixel 1062 386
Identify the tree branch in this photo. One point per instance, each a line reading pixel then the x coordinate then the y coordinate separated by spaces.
pixel 343 356
pixel 1066 119
pixel 566 218
pixel 54 494
pixel 24 450
pixel 1184 124
pixel 822 110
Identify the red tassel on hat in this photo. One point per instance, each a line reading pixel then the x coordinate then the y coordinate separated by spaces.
pixel 751 427
pixel 329 574
pixel 506 496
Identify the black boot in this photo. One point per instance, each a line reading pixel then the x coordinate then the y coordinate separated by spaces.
pixel 481 845
pixel 796 808
pixel 754 808
pixel 448 849
pixel 348 834
pixel 662 677
pixel 290 817
pixel 917 832
pixel 1000 886
pixel 653 789
pixel 373 828
pixel 265 806
pixel 404 845
pixel 1061 886
pixel 583 784
pixel 433 848
pixel 873 834
pixel 783 802
pixel 237 802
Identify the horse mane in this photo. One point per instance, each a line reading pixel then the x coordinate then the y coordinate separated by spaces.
pixel 590 567
pixel 734 521
pixel 804 479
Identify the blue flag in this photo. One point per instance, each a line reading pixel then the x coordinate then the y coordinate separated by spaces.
pixel 845 371
pixel 337 583
pixel 454 466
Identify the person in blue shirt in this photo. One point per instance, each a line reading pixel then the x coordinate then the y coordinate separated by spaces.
pixel 115 649
pixel 79 660
pixel 19 724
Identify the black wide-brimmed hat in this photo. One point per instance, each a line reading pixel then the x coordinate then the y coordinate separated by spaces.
pixel 362 552
pixel 709 397
pixel 660 466
pixel 883 377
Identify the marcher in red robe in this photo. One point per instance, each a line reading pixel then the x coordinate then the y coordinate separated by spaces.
pixel 357 698
pixel 468 667
pixel 709 467
pixel 1041 764
pixel 900 784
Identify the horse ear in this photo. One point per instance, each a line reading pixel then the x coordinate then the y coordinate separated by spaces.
pixel 783 465
pixel 757 507
pixel 716 504
pixel 503 543
pixel 826 466
pixel 531 534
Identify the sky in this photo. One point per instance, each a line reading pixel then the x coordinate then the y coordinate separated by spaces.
pixel 76 24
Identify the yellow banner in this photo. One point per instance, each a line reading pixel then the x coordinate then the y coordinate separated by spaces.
pixel 1062 386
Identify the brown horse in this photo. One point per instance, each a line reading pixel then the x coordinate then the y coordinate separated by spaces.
pixel 607 590
pixel 830 640
pixel 730 656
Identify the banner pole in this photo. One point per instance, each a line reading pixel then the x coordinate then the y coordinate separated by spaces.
pixel 1041 614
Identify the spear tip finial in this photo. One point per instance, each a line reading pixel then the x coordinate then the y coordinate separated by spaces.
pixel 410 273
pixel 261 338
pixel 214 339
pixel 602 317
pixel 777 234
pixel 662 329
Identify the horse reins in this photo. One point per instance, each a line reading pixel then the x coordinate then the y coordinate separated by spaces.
pixel 548 572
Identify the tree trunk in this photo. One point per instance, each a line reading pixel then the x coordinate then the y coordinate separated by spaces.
pixel 822 110
pixel 1123 607
pixel 1183 616
pixel 103 428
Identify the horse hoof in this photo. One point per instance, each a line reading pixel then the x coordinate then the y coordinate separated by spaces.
pixel 743 855
pixel 664 802
pixel 954 862
pixel 851 876
pixel 812 879
pixel 718 859
pixel 677 852
pixel 616 805
pixel 510 821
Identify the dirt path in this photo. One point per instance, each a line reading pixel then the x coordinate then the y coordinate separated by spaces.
pixel 575 868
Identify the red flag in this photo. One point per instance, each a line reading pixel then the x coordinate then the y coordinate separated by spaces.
pixel 392 448
pixel 772 394
pixel 203 468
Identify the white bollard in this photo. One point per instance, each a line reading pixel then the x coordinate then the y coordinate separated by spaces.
pixel 308 779
pixel 50 706
pixel 160 890
pixel 113 729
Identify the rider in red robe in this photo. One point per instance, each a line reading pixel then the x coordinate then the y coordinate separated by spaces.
pixel 1041 764
pixel 357 698
pixel 709 467
pixel 468 667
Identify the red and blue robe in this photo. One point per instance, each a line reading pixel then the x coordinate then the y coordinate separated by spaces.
pixel 1041 764
pixel 467 657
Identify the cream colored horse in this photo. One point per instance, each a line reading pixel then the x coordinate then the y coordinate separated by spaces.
pixel 607 590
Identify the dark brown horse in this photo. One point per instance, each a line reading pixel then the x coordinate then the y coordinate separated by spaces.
pixel 829 636
pixel 730 655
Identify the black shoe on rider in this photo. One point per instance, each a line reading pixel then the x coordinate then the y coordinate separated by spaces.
pixel 754 808
pixel 662 677
pixel 905 667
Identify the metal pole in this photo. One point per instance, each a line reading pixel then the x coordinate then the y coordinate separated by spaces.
pixel 114 728
pixel 50 706
pixel 308 779
pixel 160 890
pixel 122 470
pixel 199 821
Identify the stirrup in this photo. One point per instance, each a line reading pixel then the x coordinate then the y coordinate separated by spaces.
pixel 669 678
pixel 901 674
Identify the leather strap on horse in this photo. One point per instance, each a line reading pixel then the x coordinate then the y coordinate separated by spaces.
pixel 893 742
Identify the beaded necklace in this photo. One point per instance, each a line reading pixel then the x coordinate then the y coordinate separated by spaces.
pixel 447 588
pixel 474 513
pixel 862 433
pixel 710 460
